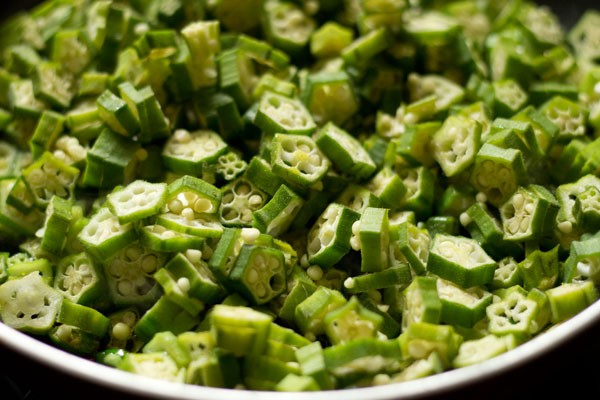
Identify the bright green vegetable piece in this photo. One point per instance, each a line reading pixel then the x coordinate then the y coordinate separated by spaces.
pixel 421 302
pixel 137 200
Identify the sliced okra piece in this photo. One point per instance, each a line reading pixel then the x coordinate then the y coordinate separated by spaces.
pixel 475 351
pixel 241 330
pixel 13 221
pixel 587 208
pixel 186 152
pixel 263 52
pixel 288 27
pixel 237 76
pixel 312 364
pixel 83 121
pixel 161 238
pixel 583 261
pixel 357 197
pixel 372 239
pixel 276 216
pixel 262 372
pixel 170 344
pixel 354 360
pixel 420 339
pixel 129 276
pixel 226 252
pixel 507 274
pixel 137 200
pixel 419 368
pixel 314 203
pixel 281 114
pixel 73 339
pixel 177 291
pixel 365 47
pixel 570 117
pixel 508 133
pixel 497 172
pixel 442 224
pixel 104 235
pixel 52 86
pixel 454 200
pixel 460 260
pixel 486 228
pixel 330 97
pixel 201 38
pixel 48 176
pixel 21 264
pixel 396 274
pixel 47 130
pixel 4 255
pixel 270 82
pixel 111 160
pixel 59 218
pixel 411 243
pixel 540 269
pixel 584 34
pixel 71 50
pixel 79 279
pixel 120 332
pixel 508 97
pixel 390 326
pixel 420 184
pixel 569 299
pixel 219 111
pixel 117 114
pixel 299 286
pixel 231 165
pixel 260 173
pixel 283 343
pixel 514 314
pixel 191 194
pixel 309 315
pixel 22 99
pixel 203 225
pixel 421 302
pixel 157 365
pixel 387 185
pixel 544 129
pixel 329 39
pixel 84 317
pixel 9 160
pixel 462 307
pixel 297 383
pixel 414 145
pixel 259 273
pixel 456 143
pixel 240 199
pixel 447 93
pixel 351 321
pixel 211 370
pixel 29 304
pixel 345 151
pixel 529 214
pixel 147 110
pixel 329 237
pixel 164 315
pixel 195 277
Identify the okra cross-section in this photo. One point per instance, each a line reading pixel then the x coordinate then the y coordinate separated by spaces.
pixel 460 260
pixel 185 152
pixel 297 159
pixel 277 113
pixel 456 143
pixel 139 199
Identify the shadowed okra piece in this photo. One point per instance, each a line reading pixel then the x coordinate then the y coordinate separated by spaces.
pixel 49 127
pixel 587 208
pixel 351 321
pixel 569 299
pixel 420 184
pixel 414 145
pixel 387 185
pixel 29 304
pixel 507 274
pixel 371 236
pixel 312 364
pixel 421 302
pixel 237 76
pixel 357 197
pixel 157 365
pixel 287 27
pixel 462 307
pixel 475 351
pixel 309 315
pixel 411 244
pixel 146 108
pixel 456 143
pixel 329 237
pixel 330 97
pixel 497 172
pixel 420 339
pixel 240 198
pixel 460 260
pixel 583 261
pixel 80 279
pixel 240 330
pixel 296 383
pixel 164 315
pixel 168 343
pixel 60 215
pixel 177 291
pixel 187 152
pixel 47 177
pixel 276 216
pixel 345 151
pixel 262 372
pixel 396 274
pixel 584 35
pixel 365 47
pixel 447 93
pixel 117 114
pixel 258 273
pixel 283 342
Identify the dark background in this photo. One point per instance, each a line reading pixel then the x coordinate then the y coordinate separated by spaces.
pixel 572 370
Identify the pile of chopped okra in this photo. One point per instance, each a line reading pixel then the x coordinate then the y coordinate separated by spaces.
pixel 297 195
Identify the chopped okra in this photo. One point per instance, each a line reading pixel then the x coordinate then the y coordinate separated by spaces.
pixel 297 196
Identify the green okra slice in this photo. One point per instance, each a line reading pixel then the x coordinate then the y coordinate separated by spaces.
pixel 203 225
pixel 117 114
pixel 287 27
pixel 421 302
pixel 121 329
pixel 237 76
pixel 330 97
pixel 442 224
pixel 410 243
pixel 160 238
pixel 276 216
pixel 59 217
pixel 583 35
pixel 157 365
pixel 80 279
pixel 29 304
pixel 137 200
pixel 414 145
pixel 48 176
pixel 170 344
pixel 456 144
pixel 86 318
pixel 129 276
pixel 587 208
pixel 372 239
pixel 387 185
pixel 262 372
pixel 447 93
pixel 147 110
pixel 231 165
pixel 329 39
pixel 283 342
pixel 21 264
pixel 390 326
pixel 51 85
pixel 460 260
pixel 454 200
pixel 260 173
pixel 225 253
pixel 351 321
pixel 357 197
pixel 103 235
pixel 569 299
pixel 529 214
pixel 309 314
pixel 583 261
pixel 240 199
pixel 201 38
pixel 73 339
pixel 22 99
pixel 395 275
pixel 297 383
pixel 194 277
pixel 264 53
pixel 345 151
pixel 83 120
pixel 475 351
pixel 507 274
pixel 420 339
pixel 312 364
pixel 177 291
pixel 328 239
pixel 462 307
pixel 361 358
pixel 570 117
pixel 515 314
pixel 420 184
pixel 365 47
pixel 186 152
pixel 259 273
pixel 497 172
pixel 509 97
pixel 508 133
pixel 544 129
pixel 486 228
pixel 13 221
pixel 163 315
pixel 416 369
pixel 281 114
pixel 47 131
pixel 298 287
pixel 241 330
